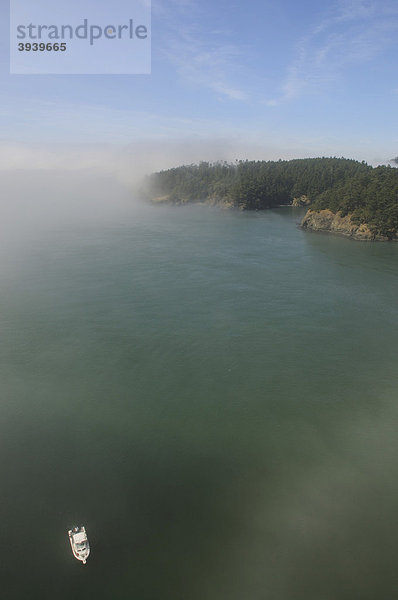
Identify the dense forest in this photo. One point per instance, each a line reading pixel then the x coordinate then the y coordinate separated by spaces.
pixel 369 195
pixel 252 184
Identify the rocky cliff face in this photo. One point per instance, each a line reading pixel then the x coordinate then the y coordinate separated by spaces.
pixel 326 220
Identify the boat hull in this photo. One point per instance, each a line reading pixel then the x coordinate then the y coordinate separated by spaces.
pixel 79 543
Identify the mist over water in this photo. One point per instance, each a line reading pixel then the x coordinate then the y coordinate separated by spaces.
pixel 212 393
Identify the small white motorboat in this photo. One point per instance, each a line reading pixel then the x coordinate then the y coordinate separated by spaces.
pixel 79 542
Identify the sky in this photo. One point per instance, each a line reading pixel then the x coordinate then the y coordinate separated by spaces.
pixel 229 80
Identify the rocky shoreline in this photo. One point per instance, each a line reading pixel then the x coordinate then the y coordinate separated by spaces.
pixel 324 221
pixel 329 222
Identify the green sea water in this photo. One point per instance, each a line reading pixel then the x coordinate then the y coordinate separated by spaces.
pixel 213 394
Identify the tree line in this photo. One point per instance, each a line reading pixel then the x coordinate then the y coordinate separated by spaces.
pixel 369 194
pixel 252 184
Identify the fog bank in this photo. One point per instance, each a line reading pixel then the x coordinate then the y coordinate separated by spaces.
pixel 128 163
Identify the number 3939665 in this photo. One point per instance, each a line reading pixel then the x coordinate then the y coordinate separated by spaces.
pixel 42 47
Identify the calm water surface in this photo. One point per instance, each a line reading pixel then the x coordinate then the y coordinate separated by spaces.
pixel 213 394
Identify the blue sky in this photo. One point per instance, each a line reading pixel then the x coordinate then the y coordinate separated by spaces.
pixel 231 79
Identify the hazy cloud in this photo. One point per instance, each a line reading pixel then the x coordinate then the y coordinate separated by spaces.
pixel 129 162
pixel 202 58
pixel 351 32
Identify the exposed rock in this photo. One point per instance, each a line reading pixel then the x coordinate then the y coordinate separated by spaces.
pixel 210 201
pixel 326 220
pixel 301 201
